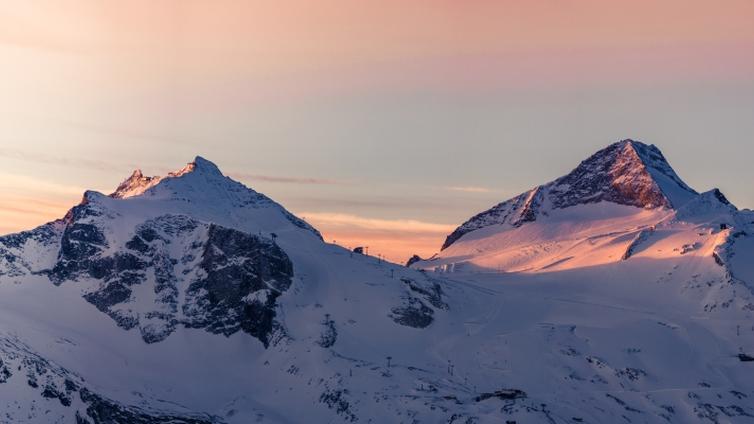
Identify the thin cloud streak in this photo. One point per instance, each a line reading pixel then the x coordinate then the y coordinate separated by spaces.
pixel 19 213
pixel 347 220
pixel 127 134
pixel 394 239
pixel 469 189
pixel 391 246
pixel 283 179
pixel 30 185
pixel 99 165
pixel 43 158
pixel 342 202
pixel 28 202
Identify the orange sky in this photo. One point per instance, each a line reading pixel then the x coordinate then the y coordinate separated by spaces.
pixel 388 122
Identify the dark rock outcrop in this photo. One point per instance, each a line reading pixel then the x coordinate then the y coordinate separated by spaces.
pixel 413 259
pixel 413 314
pixel 232 278
pixel 504 394
pixel 103 411
pixel 245 274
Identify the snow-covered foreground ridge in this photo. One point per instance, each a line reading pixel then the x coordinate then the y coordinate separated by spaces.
pixel 190 298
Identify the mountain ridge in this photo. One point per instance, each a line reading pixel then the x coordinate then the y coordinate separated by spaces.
pixel 137 302
pixel 201 301
pixel 627 172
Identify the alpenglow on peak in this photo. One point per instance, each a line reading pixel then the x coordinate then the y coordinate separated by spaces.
pixel 627 172
pixel 137 184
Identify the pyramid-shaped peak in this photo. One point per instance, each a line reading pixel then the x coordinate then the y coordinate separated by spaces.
pixel 649 154
pixel 628 172
pixel 630 152
pixel 634 153
pixel 628 142
pixel 200 161
pixel 199 164
pixel 635 144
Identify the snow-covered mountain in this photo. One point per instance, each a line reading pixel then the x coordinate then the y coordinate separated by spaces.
pixel 622 231
pixel 625 173
pixel 191 298
pixel 624 201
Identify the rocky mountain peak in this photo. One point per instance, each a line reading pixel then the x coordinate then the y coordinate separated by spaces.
pixel 721 197
pixel 627 172
pixel 136 184
pixel 198 165
pixel 199 172
pixel 201 188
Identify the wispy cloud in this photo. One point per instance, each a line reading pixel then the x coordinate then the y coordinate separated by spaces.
pixel 348 220
pixel 31 186
pixel 143 136
pixel 394 239
pixel 469 189
pixel 28 202
pixel 48 159
pixel 100 165
pixel 283 179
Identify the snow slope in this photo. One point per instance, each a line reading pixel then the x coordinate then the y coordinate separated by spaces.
pixel 194 299
pixel 626 173
pixel 624 201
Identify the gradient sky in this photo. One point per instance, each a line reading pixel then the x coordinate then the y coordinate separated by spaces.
pixel 384 123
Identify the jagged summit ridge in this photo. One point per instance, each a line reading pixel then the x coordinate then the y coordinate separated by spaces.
pixel 194 232
pixel 138 183
pixel 199 182
pixel 187 305
pixel 134 185
pixel 202 188
pixel 200 165
pixel 627 172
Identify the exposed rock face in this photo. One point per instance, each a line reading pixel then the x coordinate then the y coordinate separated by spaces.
pixel 229 279
pixel 174 270
pixel 413 314
pixel 244 275
pixel 517 211
pixel 627 173
pixel 104 411
pixel 721 197
pixel 14 263
pixel 147 259
pixel 167 269
pixel 136 184
pixel 329 334
pixel 415 311
pixel 620 174
pixel 413 259
pixel 80 247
